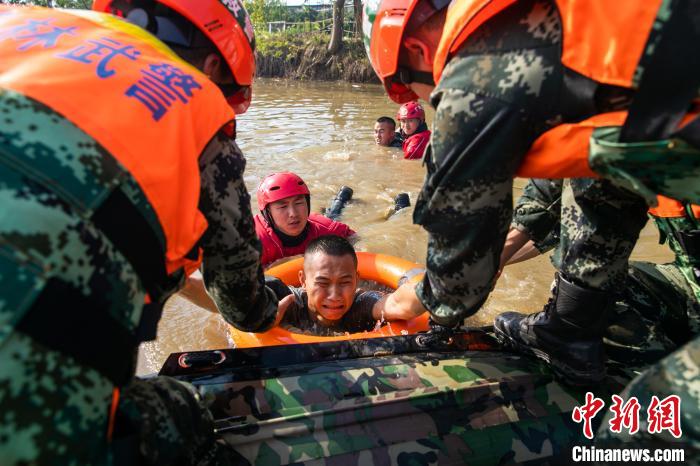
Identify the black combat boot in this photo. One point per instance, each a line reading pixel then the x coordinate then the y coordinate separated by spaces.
pixel 568 333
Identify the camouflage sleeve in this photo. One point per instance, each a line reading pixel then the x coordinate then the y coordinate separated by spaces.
pixel 466 211
pixel 494 98
pixel 232 271
pixel 162 420
pixel 537 212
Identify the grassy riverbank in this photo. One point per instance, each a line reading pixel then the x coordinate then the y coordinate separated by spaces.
pixel 305 57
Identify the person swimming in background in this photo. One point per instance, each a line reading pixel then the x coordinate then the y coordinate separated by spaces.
pixel 414 131
pixel 285 224
pixel 385 133
pixel 328 301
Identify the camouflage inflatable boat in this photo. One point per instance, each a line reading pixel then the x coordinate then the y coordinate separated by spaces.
pixel 403 400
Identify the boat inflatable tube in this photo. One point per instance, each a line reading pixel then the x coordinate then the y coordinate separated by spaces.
pixel 381 268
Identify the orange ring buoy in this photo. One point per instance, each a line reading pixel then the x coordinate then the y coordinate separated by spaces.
pixel 381 268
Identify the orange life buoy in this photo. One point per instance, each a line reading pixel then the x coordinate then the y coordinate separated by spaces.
pixel 381 268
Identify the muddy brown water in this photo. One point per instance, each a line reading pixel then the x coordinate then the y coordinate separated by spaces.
pixel 323 132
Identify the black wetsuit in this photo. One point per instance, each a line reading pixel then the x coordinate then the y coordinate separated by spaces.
pixel 397 141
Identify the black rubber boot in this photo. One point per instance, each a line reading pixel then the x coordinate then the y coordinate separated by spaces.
pixel 568 333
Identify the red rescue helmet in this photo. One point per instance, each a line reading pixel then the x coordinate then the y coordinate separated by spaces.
pixel 411 110
pixel 225 23
pixel 280 186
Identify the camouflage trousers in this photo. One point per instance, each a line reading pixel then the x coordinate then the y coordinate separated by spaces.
pixel 656 312
pixel 55 409
pixel 656 309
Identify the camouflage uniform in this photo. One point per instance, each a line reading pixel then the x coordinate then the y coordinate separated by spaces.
pixel 54 388
pixel 658 309
pixel 656 313
pixel 503 88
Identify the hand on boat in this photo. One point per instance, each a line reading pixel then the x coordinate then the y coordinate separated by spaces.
pixel 282 307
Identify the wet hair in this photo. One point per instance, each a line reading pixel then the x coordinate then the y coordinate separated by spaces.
pixel 386 119
pixel 331 245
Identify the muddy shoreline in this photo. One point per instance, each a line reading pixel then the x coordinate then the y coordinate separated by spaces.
pixel 305 57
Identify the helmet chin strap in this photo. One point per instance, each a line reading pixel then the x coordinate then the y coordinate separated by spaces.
pixel 408 76
pixel 268 218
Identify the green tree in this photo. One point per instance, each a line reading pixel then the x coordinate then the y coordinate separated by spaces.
pixel 263 11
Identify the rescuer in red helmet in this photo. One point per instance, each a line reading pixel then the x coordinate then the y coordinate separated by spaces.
pixel 285 224
pixel 414 131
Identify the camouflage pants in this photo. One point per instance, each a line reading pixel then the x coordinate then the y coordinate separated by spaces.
pixel 655 313
pixel 677 374
pixel 656 309
pixel 55 409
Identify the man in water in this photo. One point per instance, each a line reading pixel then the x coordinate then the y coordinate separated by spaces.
pixel 328 301
pixel 385 133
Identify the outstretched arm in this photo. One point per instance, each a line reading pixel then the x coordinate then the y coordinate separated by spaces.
pixel 231 267
pixel 402 304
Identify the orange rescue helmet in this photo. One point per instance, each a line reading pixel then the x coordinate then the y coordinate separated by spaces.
pixel 225 23
pixel 383 26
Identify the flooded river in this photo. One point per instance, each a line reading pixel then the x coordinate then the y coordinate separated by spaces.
pixel 323 132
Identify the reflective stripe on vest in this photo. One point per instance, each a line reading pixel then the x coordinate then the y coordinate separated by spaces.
pixel 603 40
pixel 155 113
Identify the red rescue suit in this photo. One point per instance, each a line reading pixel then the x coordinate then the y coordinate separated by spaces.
pixel 318 225
pixel 415 144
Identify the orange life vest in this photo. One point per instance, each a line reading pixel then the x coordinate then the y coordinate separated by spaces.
pixel 154 112
pixel 671 208
pixel 602 40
